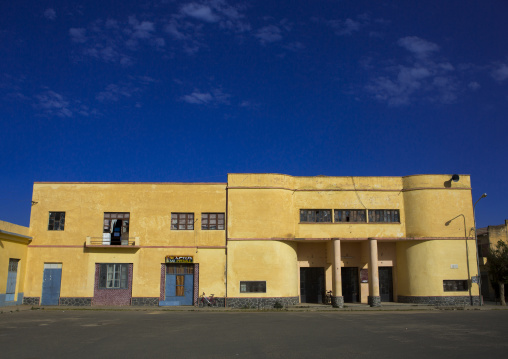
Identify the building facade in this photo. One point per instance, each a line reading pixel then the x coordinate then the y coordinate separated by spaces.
pixel 259 240
pixel 14 242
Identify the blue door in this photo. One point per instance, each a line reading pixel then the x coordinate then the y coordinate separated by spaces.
pixel 179 289
pixel 12 275
pixel 51 284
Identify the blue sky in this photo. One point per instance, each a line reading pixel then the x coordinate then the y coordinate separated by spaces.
pixel 192 90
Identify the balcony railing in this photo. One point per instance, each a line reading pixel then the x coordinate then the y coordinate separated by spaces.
pixel 105 242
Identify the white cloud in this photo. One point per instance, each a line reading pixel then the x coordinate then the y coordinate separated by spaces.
pixel 423 78
pixel 200 12
pixel 214 97
pixel 500 73
pixel 200 98
pixel 294 46
pixel 78 35
pixel 474 85
pixel 419 47
pixel 141 30
pixel 50 14
pixel 270 33
pixel 53 104
pixel 346 27
pixel 125 89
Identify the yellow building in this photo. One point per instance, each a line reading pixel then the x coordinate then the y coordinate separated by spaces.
pixel 255 241
pixel 14 240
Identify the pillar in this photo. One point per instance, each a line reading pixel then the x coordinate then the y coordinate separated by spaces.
pixel 337 298
pixel 374 298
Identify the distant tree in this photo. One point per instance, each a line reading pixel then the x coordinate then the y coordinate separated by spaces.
pixel 497 262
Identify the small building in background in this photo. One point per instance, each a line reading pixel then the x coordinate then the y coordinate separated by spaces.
pixel 488 238
pixel 14 242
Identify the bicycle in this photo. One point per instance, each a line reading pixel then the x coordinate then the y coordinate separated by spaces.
pixel 205 301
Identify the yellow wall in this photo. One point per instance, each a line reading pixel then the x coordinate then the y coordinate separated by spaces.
pixel 150 206
pixel 13 245
pixel 423 265
pixel 272 261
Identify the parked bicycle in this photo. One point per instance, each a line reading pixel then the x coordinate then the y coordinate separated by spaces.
pixel 205 301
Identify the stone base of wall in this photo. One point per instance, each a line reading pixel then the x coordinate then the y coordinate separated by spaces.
pixel 145 301
pixel 444 300
pixel 31 300
pixel 76 301
pixel 338 302
pixel 374 301
pixel 261 303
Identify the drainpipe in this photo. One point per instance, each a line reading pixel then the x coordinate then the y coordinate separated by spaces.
pixel 226 233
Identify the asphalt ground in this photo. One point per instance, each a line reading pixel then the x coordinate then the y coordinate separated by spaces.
pixel 93 333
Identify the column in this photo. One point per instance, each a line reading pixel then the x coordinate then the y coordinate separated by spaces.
pixel 337 298
pixel 374 297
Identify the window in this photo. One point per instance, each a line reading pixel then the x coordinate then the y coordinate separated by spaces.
pixel 455 285
pixel 384 216
pixel 180 221
pixel 56 221
pixel 117 224
pixel 349 215
pixel 253 287
pixel 113 276
pixel 212 221
pixel 315 215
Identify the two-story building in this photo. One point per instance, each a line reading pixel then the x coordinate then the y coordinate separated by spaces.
pixel 257 240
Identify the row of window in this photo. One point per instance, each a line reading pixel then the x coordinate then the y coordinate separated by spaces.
pixel 349 215
pixel 117 223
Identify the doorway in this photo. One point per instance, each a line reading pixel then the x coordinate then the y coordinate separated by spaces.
pixel 51 284
pixel 312 280
pixel 350 284
pixel 12 274
pixel 179 288
pixel 386 284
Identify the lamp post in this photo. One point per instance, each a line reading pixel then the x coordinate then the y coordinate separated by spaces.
pixel 477 258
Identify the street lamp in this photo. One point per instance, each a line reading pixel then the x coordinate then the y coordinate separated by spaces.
pixel 477 258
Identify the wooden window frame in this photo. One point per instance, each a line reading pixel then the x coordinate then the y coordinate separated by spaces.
pixel 350 215
pixel 314 214
pixel 206 219
pixel 123 216
pixel 115 273
pixel 56 221
pixel 179 219
pixel 384 216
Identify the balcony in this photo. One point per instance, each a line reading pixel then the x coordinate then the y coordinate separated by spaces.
pixel 105 242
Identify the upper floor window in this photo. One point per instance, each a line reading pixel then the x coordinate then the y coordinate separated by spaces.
pixel 117 223
pixel 316 215
pixel 212 221
pixel 181 221
pixel 350 215
pixel 56 221
pixel 384 216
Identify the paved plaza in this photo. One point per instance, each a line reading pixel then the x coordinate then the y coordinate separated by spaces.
pixel 62 333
